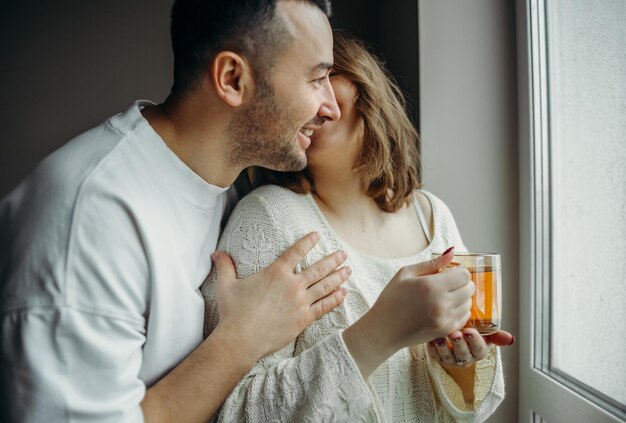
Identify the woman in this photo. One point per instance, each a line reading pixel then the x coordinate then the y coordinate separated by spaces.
pixel 360 191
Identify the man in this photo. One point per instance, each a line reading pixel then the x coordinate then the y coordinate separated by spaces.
pixel 103 248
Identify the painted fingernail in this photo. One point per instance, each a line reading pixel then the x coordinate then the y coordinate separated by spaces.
pixel 344 255
pixel 348 270
pixel 440 342
pixel 512 341
pixel 468 335
pixel 344 292
pixel 456 338
pixel 448 250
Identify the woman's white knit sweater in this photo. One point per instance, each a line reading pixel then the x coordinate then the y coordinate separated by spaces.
pixel 314 378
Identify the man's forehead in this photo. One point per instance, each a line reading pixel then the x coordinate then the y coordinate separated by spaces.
pixel 311 33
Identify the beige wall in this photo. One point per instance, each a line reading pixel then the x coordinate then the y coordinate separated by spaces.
pixel 469 137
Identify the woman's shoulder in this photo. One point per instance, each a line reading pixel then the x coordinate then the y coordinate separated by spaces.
pixel 445 227
pixel 274 205
pixel 269 200
pixel 428 196
pixel 272 195
pixel 439 210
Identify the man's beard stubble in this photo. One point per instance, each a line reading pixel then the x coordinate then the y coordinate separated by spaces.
pixel 261 135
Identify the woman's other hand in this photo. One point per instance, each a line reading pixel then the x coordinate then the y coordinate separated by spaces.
pixel 464 348
pixel 459 351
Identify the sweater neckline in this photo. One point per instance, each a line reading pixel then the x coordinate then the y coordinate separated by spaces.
pixel 355 251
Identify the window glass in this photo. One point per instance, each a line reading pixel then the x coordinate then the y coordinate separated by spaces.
pixel 587 118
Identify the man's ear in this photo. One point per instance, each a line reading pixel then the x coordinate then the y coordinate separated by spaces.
pixel 231 77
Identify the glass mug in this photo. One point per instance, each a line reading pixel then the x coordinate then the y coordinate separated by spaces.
pixel 486 273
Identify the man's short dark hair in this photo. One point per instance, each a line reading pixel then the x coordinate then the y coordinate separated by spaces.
pixel 202 28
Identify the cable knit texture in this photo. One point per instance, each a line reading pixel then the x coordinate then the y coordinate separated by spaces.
pixel 314 378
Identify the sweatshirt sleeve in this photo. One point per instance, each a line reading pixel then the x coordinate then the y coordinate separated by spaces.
pixel 67 365
pixel 321 384
pixel 72 334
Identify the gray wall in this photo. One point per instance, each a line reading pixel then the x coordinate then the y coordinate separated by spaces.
pixel 377 22
pixel 469 137
pixel 66 68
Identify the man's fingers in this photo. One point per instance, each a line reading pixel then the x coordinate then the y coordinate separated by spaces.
pixel 323 268
pixel 329 284
pixel 298 251
pixel 329 302
pixel 224 266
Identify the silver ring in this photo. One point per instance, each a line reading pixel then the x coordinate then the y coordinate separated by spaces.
pixel 463 362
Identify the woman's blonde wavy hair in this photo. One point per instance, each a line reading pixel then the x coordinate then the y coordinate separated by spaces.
pixel 389 164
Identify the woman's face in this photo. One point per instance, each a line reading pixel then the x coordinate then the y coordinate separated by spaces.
pixel 338 142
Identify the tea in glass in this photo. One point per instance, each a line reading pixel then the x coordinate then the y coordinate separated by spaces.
pixel 486 273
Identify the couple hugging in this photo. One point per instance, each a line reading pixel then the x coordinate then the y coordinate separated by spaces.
pixel 321 302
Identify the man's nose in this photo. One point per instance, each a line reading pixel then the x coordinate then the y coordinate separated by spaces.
pixel 329 109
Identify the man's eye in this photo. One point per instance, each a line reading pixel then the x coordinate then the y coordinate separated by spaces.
pixel 319 81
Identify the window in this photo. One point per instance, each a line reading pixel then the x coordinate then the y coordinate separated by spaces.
pixel 573 196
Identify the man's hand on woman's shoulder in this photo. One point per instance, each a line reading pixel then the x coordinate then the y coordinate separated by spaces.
pixel 270 308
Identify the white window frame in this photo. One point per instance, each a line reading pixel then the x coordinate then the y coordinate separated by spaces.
pixel 543 396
